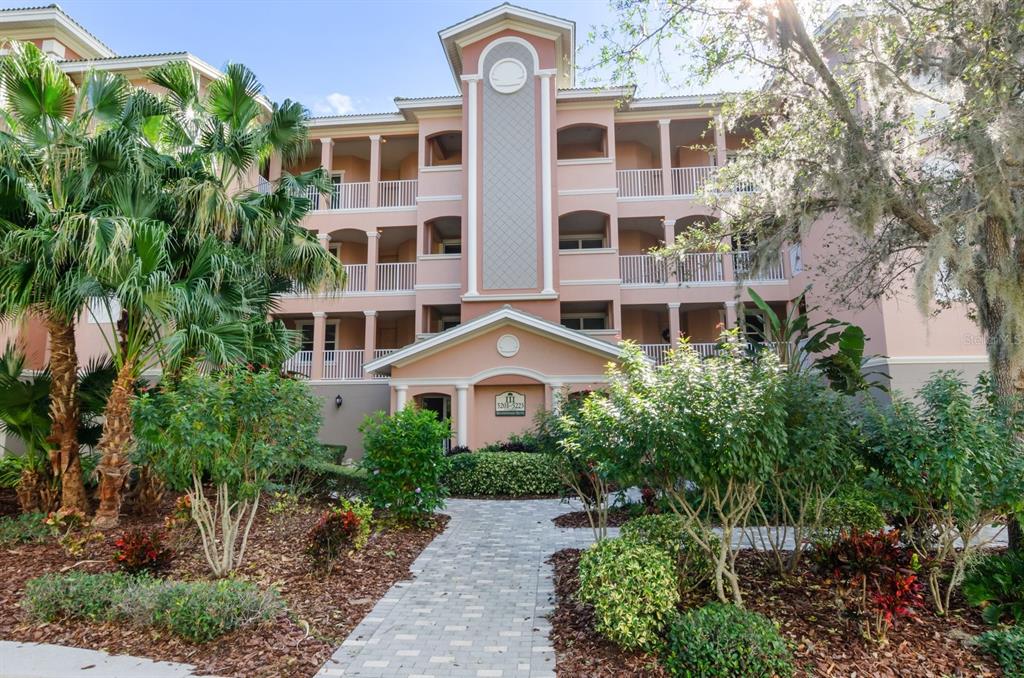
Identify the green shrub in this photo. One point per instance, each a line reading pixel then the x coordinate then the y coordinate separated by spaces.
pixel 512 474
pixel 344 527
pixel 25 528
pixel 405 462
pixel 10 470
pixel 996 584
pixel 197 611
pixel 665 532
pixel 1007 646
pixel 202 611
pixel 632 588
pixel 725 640
pixel 848 513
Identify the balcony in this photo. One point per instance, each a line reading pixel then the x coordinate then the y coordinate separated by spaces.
pixel 398 193
pixel 399 277
pixel 658 353
pixel 343 365
pixel 639 183
pixel 647 270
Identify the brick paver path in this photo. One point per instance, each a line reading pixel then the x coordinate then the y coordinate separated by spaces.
pixel 477 604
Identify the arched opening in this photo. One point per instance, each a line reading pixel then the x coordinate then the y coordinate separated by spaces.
pixel 584 230
pixel 349 245
pixel 441 405
pixel 442 235
pixel 443 148
pixel 577 142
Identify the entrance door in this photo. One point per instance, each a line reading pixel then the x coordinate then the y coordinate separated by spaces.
pixel 441 406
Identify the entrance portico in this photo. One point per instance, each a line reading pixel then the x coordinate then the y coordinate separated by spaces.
pixel 499 370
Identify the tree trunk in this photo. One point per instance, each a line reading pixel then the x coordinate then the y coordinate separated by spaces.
pixel 115 446
pixel 64 416
pixel 1008 382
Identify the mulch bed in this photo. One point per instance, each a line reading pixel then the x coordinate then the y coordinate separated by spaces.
pixel 322 607
pixel 824 645
pixel 616 517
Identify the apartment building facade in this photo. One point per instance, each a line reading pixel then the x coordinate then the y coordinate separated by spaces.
pixel 497 242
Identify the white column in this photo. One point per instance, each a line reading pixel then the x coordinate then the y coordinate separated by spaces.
pixel 471 187
pixel 731 316
pixel 556 396
pixel 325 240
pixel 665 150
pixel 374 170
pixel 372 248
pixel 401 395
pixel 673 324
pixel 462 414
pixel 719 141
pixel 545 180
pixel 369 337
pixel 319 341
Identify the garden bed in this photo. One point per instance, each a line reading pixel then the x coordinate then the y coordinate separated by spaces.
pixel 823 645
pixel 616 517
pixel 322 608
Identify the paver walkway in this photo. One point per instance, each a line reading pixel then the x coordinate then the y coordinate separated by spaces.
pixel 39 660
pixel 478 603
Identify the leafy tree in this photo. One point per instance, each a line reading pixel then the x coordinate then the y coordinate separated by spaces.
pixel 230 428
pixel 708 433
pixel 902 118
pixel 957 469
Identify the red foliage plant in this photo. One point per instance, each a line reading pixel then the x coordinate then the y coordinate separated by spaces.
pixel 141 551
pixel 335 530
pixel 874 575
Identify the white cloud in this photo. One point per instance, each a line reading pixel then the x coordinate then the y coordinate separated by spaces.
pixel 334 103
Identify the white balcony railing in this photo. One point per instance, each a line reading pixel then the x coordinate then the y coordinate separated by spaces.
pixel 656 352
pixel 311 194
pixel 345 364
pixel 350 196
pixel 400 193
pixel 263 185
pixel 355 277
pixel 743 264
pixel 643 269
pixel 380 353
pixel 300 363
pixel 689 180
pixel 398 277
pixel 700 268
pixel 639 183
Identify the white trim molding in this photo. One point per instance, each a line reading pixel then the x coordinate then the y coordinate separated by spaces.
pixel 586 161
pixel 589 191
pixel 526 296
pixel 439 198
pixel 547 227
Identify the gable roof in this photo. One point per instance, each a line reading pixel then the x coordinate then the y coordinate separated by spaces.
pixel 563 31
pixel 506 315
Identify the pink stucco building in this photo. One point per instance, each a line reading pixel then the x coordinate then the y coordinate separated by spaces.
pixel 497 241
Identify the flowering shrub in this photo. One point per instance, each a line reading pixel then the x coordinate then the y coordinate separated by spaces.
pixel 345 526
pixel 405 462
pixel 874 576
pixel 141 551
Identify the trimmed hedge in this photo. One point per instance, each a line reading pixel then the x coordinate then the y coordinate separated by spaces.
pixel 197 611
pixel 502 474
pixel 724 640
pixel 509 474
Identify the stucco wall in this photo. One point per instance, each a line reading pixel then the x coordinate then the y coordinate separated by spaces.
pixel 341 425
pixel 490 428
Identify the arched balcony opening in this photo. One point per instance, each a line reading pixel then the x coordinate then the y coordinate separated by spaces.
pixel 584 230
pixel 582 141
pixel 350 246
pixel 443 149
pixel 442 235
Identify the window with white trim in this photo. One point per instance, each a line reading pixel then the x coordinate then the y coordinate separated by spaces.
pixel 589 241
pixel 585 321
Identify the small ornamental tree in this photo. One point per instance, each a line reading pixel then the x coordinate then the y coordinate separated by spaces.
pixel 404 460
pixel 228 428
pixel 952 459
pixel 821 441
pixel 709 434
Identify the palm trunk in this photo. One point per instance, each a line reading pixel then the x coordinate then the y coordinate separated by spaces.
pixel 64 416
pixel 115 446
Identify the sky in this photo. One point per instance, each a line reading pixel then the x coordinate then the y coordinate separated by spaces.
pixel 334 57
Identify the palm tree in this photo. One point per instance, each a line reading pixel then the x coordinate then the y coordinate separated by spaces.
pixel 56 157
pixel 25 412
pixel 195 255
